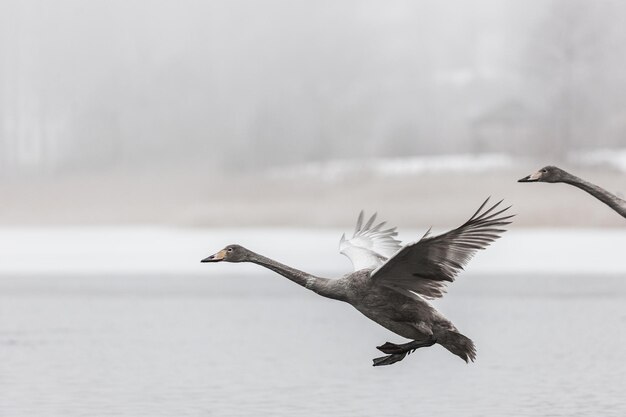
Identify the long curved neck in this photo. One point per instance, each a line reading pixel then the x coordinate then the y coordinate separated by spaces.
pixel 323 286
pixel 600 193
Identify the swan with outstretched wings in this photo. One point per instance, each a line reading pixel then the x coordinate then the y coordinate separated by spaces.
pixel 391 283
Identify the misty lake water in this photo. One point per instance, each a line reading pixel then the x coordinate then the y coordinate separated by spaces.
pixel 259 345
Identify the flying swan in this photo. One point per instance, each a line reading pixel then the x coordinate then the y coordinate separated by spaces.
pixel 391 283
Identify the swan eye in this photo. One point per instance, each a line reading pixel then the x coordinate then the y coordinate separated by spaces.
pixel 230 249
pixel 544 170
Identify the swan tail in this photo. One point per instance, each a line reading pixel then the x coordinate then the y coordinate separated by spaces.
pixel 460 345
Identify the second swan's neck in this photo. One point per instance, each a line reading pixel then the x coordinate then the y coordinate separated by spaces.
pixel 323 286
pixel 600 193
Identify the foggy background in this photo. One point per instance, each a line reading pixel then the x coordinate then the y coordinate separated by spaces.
pixel 186 112
pixel 138 137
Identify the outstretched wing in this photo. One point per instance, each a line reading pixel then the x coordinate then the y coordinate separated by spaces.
pixel 424 267
pixel 371 245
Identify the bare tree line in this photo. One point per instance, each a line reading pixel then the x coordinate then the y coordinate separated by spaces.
pixel 253 84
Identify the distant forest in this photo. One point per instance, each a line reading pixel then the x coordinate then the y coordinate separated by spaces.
pixel 254 84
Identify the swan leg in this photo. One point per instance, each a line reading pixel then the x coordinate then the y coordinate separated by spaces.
pixel 392 348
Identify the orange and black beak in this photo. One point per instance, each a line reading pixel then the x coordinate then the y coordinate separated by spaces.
pixel 531 178
pixel 219 256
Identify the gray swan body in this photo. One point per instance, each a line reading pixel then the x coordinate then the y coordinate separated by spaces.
pixel 407 315
pixel 552 174
pixel 394 291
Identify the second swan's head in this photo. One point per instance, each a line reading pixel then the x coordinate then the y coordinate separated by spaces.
pixel 231 253
pixel 546 174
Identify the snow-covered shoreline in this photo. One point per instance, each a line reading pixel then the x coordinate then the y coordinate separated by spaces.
pixel 336 170
pixel 51 251
pixel 411 191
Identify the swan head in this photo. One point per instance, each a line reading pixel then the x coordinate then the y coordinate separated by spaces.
pixel 548 173
pixel 231 253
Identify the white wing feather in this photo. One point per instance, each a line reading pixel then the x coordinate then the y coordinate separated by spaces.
pixel 370 246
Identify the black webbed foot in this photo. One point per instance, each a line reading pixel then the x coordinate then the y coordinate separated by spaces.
pixel 391 348
pixel 389 359
pixel 398 352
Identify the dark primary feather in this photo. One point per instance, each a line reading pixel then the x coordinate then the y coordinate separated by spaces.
pixel 425 266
